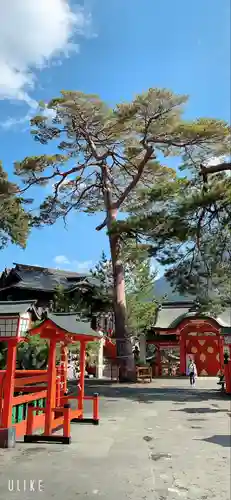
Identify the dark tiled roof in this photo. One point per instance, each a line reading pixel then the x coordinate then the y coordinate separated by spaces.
pixel 71 324
pixel 40 278
pixel 61 272
pixel 17 307
pixel 170 316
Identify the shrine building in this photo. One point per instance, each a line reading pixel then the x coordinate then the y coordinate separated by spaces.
pixel 179 328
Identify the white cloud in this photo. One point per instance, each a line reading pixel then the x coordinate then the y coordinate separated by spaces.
pixel 81 185
pixel 61 259
pixel 214 160
pixel 82 266
pixel 74 265
pixel 33 34
pixel 11 122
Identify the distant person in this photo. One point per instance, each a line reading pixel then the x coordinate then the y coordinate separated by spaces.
pixel 136 354
pixel 192 370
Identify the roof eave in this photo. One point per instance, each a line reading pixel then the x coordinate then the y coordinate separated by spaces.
pixel 78 336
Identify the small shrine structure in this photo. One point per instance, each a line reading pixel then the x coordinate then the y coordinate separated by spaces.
pixel 32 387
pixel 64 329
pixel 193 335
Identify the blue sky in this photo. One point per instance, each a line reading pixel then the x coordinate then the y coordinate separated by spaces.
pixel 124 48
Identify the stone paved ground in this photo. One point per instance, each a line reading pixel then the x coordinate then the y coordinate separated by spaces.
pixel 156 441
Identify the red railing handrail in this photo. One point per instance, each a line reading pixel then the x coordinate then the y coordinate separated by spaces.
pixel 30 380
pixel 27 398
pixel 24 372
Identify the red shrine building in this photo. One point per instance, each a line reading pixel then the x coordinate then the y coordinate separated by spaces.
pixel 181 329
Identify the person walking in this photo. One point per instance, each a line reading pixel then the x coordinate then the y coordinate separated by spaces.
pixel 192 369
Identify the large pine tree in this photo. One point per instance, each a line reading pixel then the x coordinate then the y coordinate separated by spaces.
pixel 13 218
pixel 102 155
pixel 188 225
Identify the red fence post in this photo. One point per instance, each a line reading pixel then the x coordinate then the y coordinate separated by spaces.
pixel 227 371
pixel 67 423
pixel 30 419
pixel 96 409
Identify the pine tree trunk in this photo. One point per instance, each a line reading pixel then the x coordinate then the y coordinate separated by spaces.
pixel 123 340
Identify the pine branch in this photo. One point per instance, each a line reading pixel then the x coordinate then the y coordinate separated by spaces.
pixel 215 169
pixel 136 178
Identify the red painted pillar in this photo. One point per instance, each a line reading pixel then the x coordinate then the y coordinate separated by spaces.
pixel 96 408
pixel 51 388
pixel 182 354
pixel 221 352
pixel 67 421
pixel 9 384
pixel 81 377
pixel 64 363
pixel 159 367
pixel 227 372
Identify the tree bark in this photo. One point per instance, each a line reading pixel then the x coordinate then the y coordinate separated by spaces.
pixel 123 340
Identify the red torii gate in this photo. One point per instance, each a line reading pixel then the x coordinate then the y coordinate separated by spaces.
pixel 65 329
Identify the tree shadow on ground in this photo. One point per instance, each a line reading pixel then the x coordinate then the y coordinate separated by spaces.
pixel 222 440
pixel 146 394
pixel 202 410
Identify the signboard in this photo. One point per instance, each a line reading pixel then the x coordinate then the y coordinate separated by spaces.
pixel 227 339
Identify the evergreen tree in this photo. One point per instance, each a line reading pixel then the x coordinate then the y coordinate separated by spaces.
pixel 190 232
pixel 13 218
pixel 14 227
pixel 33 354
pixel 139 285
pixel 103 155
pixel 141 304
pixel 104 274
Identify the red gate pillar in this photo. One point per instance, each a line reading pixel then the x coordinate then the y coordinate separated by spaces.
pixel 221 352
pixel 9 384
pixel 182 355
pixel 51 388
pixel 227 371
pixel 82 375
pixel 7 431
pixel 159 365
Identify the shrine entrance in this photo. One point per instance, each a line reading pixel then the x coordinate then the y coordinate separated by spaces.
pixel 206 354
pixel 201 338
pixel 166 362
pixel 197 337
